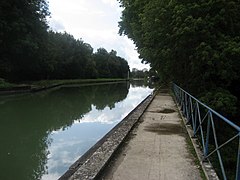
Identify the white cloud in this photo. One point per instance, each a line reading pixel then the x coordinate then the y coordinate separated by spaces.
pixel 50 176
pixel 96 22
pixel 108 116
pixel 110 2
pixel 56 25
pixel 104 117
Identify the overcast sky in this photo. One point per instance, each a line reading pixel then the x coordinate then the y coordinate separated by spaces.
pixel 96 23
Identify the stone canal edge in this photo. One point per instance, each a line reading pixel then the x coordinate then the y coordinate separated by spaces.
pixel 96 158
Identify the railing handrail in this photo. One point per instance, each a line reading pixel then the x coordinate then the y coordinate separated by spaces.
pixel 214 112
pixel 190 107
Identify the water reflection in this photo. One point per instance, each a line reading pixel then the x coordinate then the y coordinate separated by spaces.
pixel 42 134
pixel 139 83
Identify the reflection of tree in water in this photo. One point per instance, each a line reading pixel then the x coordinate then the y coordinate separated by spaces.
pixel 143 83
pixel 27 122
pixel 110 94
pixel 139 83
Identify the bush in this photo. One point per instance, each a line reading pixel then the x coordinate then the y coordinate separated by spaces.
pixel 221 101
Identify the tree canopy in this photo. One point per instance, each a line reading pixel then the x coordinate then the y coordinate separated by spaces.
pixel 30 51
pixel 195 44
pixel 23 31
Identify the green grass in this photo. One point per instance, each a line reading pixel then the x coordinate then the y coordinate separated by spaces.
pixel 45 83
pixel 195 158
pixel 189 142
pixel 4 84
pixel 50 83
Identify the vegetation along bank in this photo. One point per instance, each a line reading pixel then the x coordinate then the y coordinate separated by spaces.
pixel 30 51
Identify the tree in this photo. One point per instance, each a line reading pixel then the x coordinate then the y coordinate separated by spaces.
pixel 109 65
pixel 29 51
pixel 69 58
pixel 139 73
pixel 22 38
pixel 194 44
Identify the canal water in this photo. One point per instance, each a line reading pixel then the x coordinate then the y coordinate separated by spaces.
pixel 42 134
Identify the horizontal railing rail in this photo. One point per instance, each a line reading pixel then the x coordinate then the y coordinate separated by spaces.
pixel 205 122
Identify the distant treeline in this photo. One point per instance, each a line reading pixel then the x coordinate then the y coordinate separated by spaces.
pixel 30 51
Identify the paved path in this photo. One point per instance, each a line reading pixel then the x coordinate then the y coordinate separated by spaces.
pixel 158 148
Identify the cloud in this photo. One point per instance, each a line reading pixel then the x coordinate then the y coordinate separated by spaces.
pixel 50 176
pixel 56 25
pixel 110 2
pixel 96 22
pixel 108 116
pixel 131 54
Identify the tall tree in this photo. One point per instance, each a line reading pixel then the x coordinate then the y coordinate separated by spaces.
pixel 193 43
pixel 109 65
pixel 69 58
pixel 23 30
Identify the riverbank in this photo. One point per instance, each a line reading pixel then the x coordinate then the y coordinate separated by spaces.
pixel 36 86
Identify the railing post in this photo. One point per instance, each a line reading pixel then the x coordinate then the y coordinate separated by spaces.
pixel 199 118
pixel 195 119
pixel 181 98
pixel 183 102
pixel 187 108
pixel 192 110
pixel 238 160
pixel 207 137
pixel 217 148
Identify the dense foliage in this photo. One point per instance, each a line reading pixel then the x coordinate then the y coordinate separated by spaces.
pixel 23 32
pixel 29 51
pixel 139 74
pixel 70 58
pixel 193 43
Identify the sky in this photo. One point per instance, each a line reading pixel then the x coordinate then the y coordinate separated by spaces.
pixel 96 23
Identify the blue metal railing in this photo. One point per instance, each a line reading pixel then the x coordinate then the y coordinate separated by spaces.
pixel 203 121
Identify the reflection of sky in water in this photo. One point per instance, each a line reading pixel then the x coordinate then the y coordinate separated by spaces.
pixel 68 144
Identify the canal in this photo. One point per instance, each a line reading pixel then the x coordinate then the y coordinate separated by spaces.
pixel 42 134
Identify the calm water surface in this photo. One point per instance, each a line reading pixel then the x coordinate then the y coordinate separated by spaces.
pixel 42 134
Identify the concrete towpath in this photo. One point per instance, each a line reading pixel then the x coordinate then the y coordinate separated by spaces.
pixel 157 148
